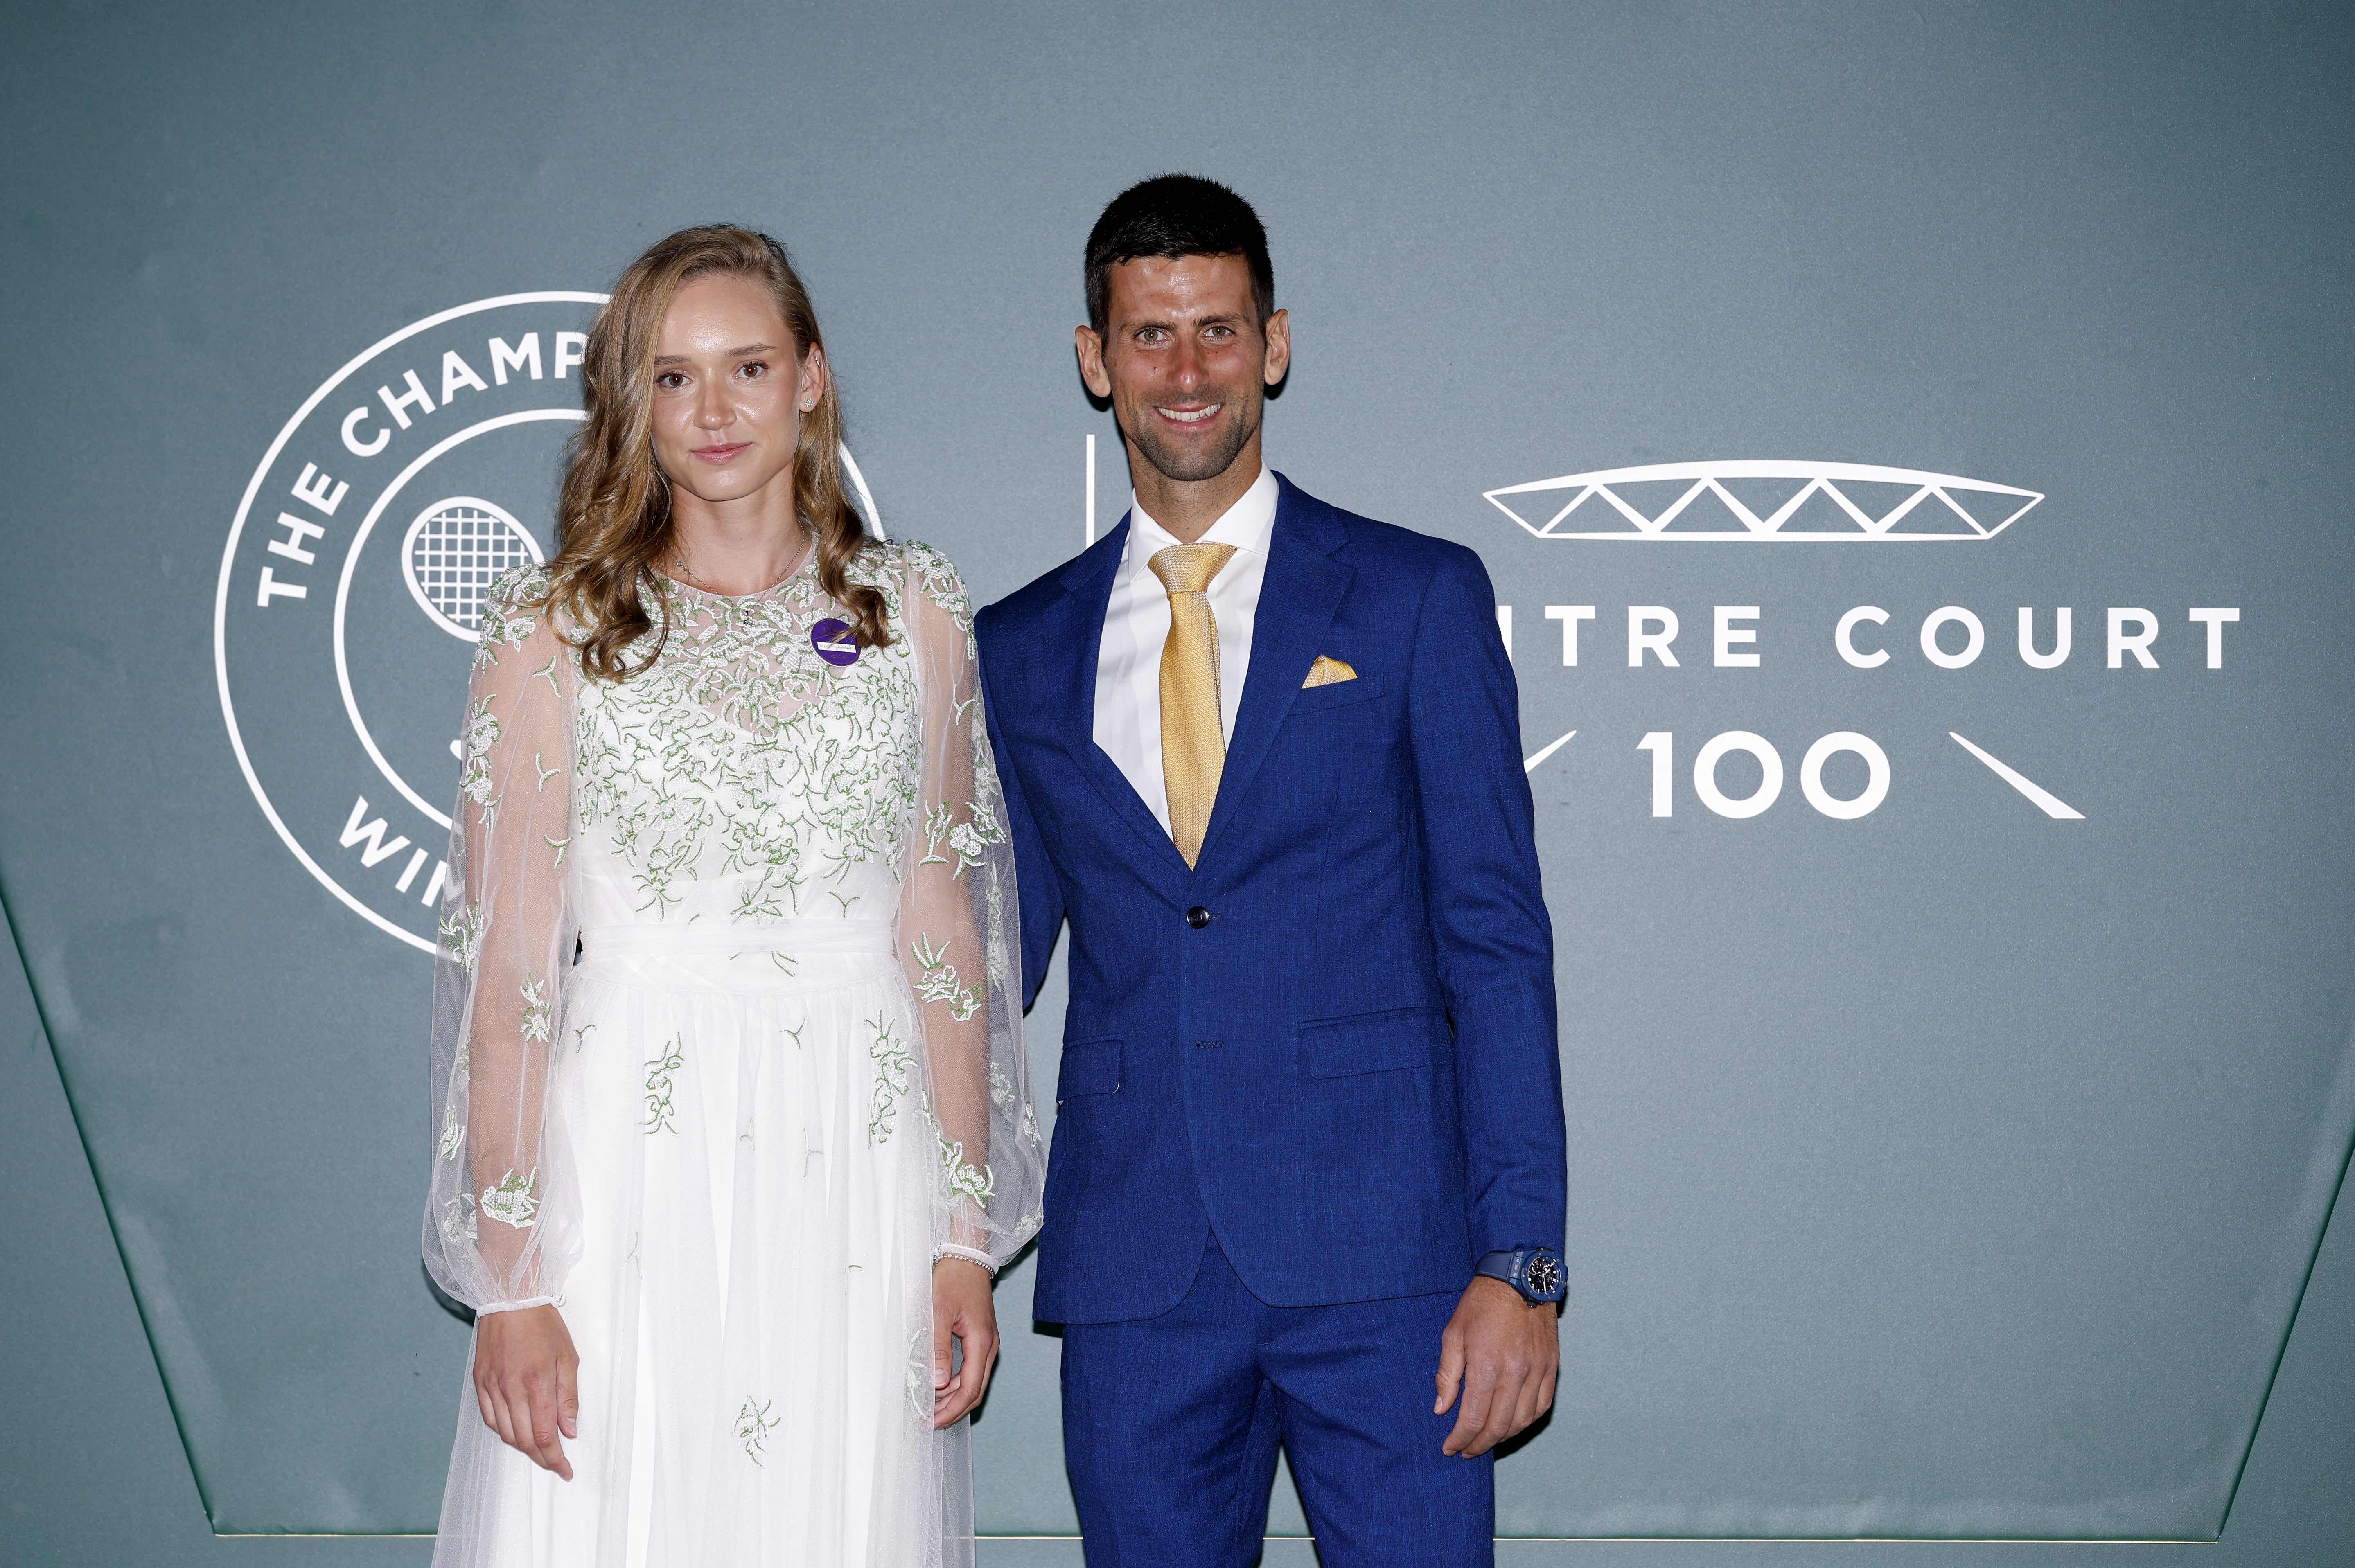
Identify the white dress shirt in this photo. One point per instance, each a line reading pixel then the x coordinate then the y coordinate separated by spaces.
pixel 1136 623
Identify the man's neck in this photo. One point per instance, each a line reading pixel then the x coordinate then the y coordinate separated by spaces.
pixel 1188 508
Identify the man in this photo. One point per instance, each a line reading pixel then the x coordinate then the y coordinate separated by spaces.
pixel 1264 757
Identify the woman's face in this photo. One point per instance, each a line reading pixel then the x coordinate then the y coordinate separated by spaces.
pixel 728 393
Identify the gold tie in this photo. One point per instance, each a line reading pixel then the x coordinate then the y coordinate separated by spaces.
pixel 1193 737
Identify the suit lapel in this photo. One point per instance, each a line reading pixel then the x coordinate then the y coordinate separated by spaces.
pixel 1087 585
pixel 1297 600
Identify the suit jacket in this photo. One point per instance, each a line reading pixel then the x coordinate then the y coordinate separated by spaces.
pixel 1344 1060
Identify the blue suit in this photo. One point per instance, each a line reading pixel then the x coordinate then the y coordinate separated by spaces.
pixel 1313 1079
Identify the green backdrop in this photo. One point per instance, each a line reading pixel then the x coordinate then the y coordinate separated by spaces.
pixel 1957 1168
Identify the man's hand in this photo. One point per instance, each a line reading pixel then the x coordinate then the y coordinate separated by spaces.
pixel 962 1307
pixel 527 1379
pixel 1502 1352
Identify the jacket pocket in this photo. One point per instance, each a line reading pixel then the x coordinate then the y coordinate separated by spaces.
pixel 1088 1067
pixel 1372 1042
pixel 1336 694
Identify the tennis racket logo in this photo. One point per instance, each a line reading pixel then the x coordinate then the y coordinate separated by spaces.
pixel 455 550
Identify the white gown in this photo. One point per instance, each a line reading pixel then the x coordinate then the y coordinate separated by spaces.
pixel 781 1075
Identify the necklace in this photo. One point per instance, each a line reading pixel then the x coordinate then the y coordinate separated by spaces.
pixel 679 570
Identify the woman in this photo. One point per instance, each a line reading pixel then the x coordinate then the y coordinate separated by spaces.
pixel 734 1120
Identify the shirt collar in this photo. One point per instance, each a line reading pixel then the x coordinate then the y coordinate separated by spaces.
pixel 1247 524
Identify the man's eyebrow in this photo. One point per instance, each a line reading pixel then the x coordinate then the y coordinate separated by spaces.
pixel 749 348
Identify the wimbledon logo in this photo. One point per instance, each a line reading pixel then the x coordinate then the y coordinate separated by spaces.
pixel 351 589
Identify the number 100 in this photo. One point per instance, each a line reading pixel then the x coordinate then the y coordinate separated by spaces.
pixel 1662 745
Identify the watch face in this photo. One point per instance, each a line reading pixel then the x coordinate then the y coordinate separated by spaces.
pixel 1544 1274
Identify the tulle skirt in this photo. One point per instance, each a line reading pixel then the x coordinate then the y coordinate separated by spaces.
pixel 752 1305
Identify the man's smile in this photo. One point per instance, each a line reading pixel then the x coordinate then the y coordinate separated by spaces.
pixel 1187 416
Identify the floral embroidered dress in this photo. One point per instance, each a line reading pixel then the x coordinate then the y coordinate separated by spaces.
pixel 725 1054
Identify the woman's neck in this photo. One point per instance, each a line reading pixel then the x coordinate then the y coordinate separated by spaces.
pixel 735 549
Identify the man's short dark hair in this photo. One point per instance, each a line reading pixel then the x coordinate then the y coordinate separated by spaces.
pixel 1172 216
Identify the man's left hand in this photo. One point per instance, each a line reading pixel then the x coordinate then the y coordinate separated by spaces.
pixel 1502 1352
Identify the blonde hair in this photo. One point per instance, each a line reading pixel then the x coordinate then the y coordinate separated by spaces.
pixel 613 518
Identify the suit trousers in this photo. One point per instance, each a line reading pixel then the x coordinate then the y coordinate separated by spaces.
pixel 1171 1425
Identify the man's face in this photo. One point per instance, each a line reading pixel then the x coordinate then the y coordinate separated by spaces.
pixel 1186 361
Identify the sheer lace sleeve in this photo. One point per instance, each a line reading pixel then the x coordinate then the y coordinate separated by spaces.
pixel 957 915
pixel 500 1225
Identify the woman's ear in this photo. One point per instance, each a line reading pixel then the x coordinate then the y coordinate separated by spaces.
pixel 813 379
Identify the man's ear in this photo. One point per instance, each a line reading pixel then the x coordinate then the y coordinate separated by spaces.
pixel 1278 333
pixel 1092 361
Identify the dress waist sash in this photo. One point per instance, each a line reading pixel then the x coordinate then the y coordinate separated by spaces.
pixel 793 937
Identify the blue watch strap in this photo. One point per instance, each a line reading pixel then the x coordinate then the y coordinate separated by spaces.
pixel 1497 1265
pixel 1534 1271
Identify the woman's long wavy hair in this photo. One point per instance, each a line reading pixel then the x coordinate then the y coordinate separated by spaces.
pixel 614 519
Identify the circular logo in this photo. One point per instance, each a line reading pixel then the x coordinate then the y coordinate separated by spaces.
pixel 350 595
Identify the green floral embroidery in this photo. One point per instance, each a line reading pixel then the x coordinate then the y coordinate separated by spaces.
pixel 753 1426
pixel 1001 1089
pixel 940 983
pixel 938 822
pixel 515 1202
pixel 967 839
pixel 661 1116
pixel 919 1375
pixel 458 1219
pixel 970 838
pixel 939 582
pixel 482 732
pixel 462 933
pixel 453 1134
pixel 699 765
pixel 997 944
pixel 892 1062
pixel 502 623
pixel 545 773
pixel 539 1015
pixel 580 1036
pixel 959 1177
pixel 559 845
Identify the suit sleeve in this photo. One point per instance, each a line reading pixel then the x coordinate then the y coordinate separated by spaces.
pixel 1040 889
pixel 1487 911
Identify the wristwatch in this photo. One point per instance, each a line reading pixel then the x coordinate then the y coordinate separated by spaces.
pixel 1534 1271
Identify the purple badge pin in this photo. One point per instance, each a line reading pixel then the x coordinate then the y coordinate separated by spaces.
pixel 835 643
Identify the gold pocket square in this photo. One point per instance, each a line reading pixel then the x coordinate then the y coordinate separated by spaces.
pixel 1325 671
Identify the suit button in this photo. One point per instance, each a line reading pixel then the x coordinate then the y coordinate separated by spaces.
pixel 1197 916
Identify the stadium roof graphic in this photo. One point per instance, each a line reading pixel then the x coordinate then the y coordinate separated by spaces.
pixel 1765 500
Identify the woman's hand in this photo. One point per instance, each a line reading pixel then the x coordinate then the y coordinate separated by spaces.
pixel 527 1377
pixel 962 1307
